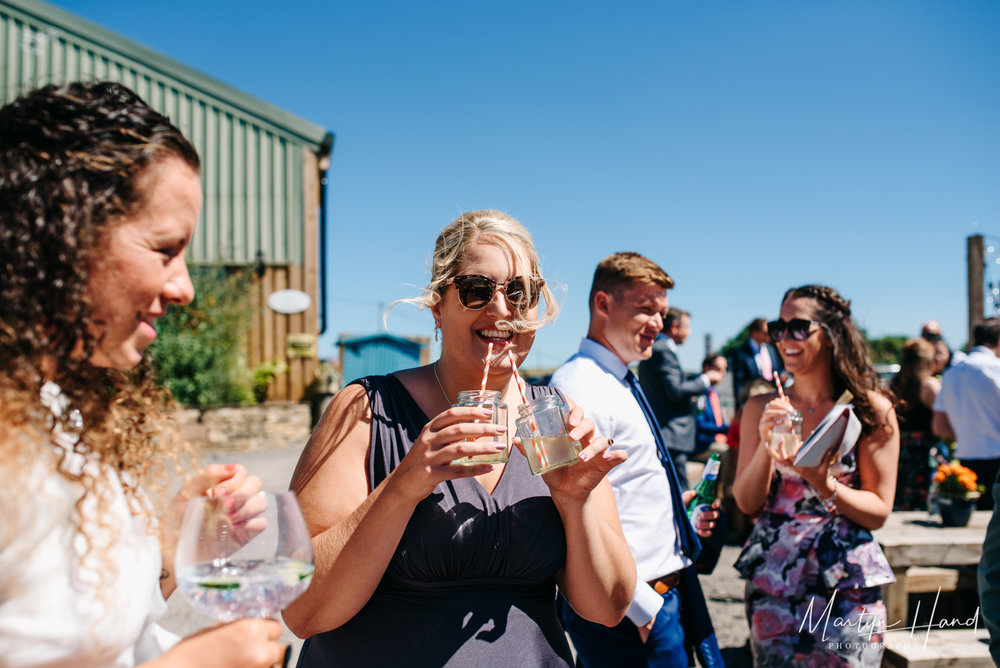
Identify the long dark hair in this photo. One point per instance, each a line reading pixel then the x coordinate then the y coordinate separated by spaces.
pixel 916 362
pixel 852 366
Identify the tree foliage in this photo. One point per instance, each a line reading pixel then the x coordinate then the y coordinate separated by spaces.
pixel 886 350
pixel 200 351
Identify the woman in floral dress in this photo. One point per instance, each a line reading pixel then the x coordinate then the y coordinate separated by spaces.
pixel 813 569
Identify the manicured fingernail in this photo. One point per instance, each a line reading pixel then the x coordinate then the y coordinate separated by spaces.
pixel 583 456
pixel 500 446
pixel 230 467
pixel 501 428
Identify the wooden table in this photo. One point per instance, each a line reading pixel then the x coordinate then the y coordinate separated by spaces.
pixel 914 539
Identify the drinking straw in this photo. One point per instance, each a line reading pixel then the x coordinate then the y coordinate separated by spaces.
pixel 486 366
pixel 781 392
pixel 542 458
pixel 517 378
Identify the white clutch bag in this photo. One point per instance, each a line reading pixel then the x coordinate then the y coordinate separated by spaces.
pixel 838 430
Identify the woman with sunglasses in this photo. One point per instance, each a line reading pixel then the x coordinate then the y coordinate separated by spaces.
pixel 420 560
pixel 813 569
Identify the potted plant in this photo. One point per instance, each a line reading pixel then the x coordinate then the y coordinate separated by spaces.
pixel 957 490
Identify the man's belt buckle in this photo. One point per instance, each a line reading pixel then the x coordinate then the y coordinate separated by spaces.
pixel 666 583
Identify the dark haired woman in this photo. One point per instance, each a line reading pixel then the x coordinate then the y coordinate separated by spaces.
pixel 813 569
pixel 99 197
pixel 915 387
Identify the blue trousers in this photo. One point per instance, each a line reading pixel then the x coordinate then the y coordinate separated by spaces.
pixel 600 646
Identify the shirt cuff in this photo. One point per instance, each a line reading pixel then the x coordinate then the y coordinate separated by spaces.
pixel 704 378
pixel 646 603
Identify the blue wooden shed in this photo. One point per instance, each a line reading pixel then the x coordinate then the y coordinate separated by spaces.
pixel 380 354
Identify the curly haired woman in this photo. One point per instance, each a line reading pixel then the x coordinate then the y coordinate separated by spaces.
pixel 813 569
pixel 99 197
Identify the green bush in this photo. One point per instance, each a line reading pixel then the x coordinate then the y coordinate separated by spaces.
pixel 200 352
pixel 264 374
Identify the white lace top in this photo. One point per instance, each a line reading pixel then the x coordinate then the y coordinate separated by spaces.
pixel 58 604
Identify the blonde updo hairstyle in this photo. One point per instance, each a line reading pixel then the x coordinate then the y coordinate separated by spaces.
pixel 486 226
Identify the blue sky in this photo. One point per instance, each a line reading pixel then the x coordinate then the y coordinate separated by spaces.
pixel 745 146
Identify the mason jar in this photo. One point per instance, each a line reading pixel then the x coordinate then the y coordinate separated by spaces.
pixel 544 436
pixel 486 399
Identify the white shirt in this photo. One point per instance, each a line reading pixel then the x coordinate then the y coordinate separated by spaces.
pixel 970 397
pixel 595 379
pixel 59 605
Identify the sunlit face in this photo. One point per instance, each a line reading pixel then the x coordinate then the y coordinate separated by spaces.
pixel 680 329
pixel 799 355
pixel 720 365
pixel 141 268
pixel 467 333
pixel 941 356
pixel 634 318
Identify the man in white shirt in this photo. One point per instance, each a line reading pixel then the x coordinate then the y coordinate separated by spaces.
pixel 967 408
pixel 971 412
pixel 628 300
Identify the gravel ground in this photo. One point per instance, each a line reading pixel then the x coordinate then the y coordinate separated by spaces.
pixel 723 589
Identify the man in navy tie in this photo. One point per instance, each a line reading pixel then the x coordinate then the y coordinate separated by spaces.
pixel 668 615
pixel 754 358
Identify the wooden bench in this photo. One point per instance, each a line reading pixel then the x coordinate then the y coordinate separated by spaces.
pixel 955 648
pixel 924 555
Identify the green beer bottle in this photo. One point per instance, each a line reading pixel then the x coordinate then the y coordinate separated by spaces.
pixel 704 492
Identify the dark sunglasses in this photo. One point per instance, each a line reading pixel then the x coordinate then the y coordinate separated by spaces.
pixel 796 328
pixel 475 291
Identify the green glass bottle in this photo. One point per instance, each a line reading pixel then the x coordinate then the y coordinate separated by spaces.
pixel 705 491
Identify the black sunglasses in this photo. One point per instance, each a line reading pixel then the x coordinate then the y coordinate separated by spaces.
pixel 475 291
pixel 796 328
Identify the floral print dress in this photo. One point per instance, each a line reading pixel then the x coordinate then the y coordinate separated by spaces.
pixel 813 594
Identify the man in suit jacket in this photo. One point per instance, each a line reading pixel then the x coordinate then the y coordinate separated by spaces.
pixel 754 358
pixel 671 393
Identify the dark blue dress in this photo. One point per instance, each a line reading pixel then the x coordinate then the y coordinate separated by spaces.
pixel 472 581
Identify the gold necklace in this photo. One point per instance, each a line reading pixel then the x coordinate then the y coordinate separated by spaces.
pixel 438 379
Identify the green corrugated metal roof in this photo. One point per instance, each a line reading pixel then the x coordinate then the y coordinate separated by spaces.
pixel 252 152
pixel 205 86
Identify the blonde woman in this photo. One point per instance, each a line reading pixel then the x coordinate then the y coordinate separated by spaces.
pixel 419 560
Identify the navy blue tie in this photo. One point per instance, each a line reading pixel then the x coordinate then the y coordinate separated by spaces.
pixel 690 545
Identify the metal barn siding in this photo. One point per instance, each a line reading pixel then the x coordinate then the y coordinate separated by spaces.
pixel 261 166
pixel 379 354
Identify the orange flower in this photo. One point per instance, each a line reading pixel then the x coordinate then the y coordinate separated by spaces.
pixel 954 480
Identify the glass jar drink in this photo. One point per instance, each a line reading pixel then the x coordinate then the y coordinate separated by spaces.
pixel 486 399
pixel 787 432
pixel 544 436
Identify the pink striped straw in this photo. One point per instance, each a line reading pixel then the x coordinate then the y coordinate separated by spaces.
pixel 524 399
pixel 781 392
pixel 486 366
pixel 517 378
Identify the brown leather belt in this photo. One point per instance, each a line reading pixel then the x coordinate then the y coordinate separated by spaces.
pixel 664 584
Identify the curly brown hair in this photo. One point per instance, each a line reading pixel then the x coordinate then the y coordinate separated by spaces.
pixel 73 163
pixel 852 366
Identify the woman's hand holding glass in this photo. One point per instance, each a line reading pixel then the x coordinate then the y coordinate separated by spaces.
pixel 448 436
pixel 596 459
pixel 244 556
pixel 782 448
